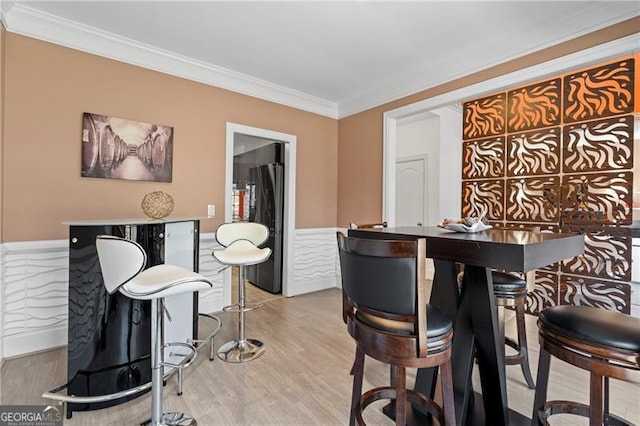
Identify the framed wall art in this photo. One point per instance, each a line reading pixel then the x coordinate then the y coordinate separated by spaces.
pixel 116 148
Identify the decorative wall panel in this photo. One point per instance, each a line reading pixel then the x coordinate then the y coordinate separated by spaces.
pixel 599 92
pixel 598 198
pixel 533 199
pixel 534 106
pixel 484 117
pixel 210 300
pixel 545 292
pixel 568 167
pixel 483 158
pixel 483 198
pixel 316 262
pixel 576 290
pixel 534 153
pixel 607 254
pixel 598 145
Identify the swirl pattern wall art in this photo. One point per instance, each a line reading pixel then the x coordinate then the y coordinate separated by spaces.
pixel 558 155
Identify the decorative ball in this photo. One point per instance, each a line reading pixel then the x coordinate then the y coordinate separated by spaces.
pixel 157 204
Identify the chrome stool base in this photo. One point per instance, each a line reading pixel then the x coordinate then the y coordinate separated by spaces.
pixel 174 419
pixel 241 351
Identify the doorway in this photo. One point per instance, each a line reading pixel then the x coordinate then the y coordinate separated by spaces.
pixel 241 138
pixel 447 103
pixel 436 136
pixel 411 191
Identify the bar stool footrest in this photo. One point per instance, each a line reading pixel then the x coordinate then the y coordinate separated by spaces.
pixel 516 358
pixel 247 307
pixel 419 401
pixel 578 409
pixel 210 339
pixel 188 359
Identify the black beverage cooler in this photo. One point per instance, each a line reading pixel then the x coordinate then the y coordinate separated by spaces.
pixel 109 336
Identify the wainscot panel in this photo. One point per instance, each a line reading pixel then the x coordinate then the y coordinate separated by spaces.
pixel 35 279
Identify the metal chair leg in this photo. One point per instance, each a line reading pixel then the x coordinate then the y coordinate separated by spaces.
pixel 158 418
pixel 243 349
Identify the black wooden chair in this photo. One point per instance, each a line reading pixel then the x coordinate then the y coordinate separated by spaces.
pixel 510 291
pixel 386 312
pixel 367 225
pixel 605 343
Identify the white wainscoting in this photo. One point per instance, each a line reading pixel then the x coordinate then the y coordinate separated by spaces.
pixel 34 295
pixel 35 274
pixel 315 260
pixel 210 300
pixel 1 304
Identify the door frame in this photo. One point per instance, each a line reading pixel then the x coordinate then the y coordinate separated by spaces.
pixel 425 183
pixel 624 46
pixel 289 218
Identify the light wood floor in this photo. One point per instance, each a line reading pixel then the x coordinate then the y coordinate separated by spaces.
pixel 303 378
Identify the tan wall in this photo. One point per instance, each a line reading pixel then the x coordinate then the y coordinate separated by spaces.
pixel 2 50
pixel 48 87
pixel 360 153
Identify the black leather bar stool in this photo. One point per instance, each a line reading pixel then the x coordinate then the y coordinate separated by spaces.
pixel 386 312
pixel 367 225
pixel 511 291
pixel 605 343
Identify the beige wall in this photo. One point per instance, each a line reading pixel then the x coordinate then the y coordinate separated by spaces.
pixel 360 154
pixel 2 50
pixel 48 87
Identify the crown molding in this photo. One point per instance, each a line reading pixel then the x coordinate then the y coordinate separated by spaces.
pixel 454 69
pixel 20 19
pixel 602 52
pixel 5 7
pixel 23 20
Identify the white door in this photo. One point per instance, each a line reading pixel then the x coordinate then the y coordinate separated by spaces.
pixel 411 192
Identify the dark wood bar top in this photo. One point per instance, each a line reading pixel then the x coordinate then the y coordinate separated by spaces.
pixel 511 250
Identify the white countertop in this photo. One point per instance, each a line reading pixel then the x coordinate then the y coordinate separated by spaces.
pixel 134 221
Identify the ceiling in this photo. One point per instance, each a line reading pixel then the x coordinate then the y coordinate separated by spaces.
pixel 333 58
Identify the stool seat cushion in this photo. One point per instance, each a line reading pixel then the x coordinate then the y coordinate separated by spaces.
pixel 438 324
pixel 255 232
pixel 162 281
pixel 242 252
pixel 503 282
pixel 593 325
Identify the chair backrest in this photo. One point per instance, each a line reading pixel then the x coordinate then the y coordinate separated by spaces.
pixel 120 260
pixel 227 233
pixel 367 225
pixel 385 279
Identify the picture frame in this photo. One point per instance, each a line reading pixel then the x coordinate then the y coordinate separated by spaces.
pixel 117 148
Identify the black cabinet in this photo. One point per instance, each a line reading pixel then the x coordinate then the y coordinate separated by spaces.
pixel 110 335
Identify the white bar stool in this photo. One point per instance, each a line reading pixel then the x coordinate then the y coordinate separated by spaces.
pixel 241 240
pixel 122 263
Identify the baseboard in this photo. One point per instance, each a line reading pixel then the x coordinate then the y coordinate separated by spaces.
pixel 309 286
pixel 27 343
